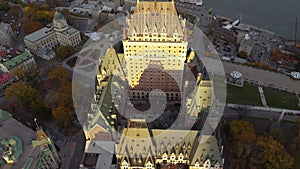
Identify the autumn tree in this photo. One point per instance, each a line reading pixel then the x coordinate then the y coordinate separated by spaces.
pixel 28 11
pixel 242 147
pixel 36 107
pixel 274 155
pixel 276 55
pixel 277 135
pixel 242 131
pixel 59 73
pixel 18 72
pixel 242 54
pixel 41 16
pixel 31 26
pixel 65 96
pixel 14 11
pixel 25 93
pixel 63 115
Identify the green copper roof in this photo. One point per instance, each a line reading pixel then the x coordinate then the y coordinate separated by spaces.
pixel 58 16
pixel 4 115
pixel 15 149
pixel 28 163
pixel 43 155
pixel 17 60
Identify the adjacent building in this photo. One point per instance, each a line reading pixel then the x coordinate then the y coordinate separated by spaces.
pixel 247 44
pixel 23 148
pixel 59 34
pixel 24 61
pixel 5 79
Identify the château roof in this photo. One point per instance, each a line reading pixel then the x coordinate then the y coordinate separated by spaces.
pixel 155 17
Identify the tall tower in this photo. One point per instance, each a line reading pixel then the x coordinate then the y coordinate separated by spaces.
pixel 155 49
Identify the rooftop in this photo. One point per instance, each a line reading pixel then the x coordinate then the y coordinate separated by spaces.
pixel 4 115
pixel 17 60
pixel 5 77
pixel 11 128
pixel 39 34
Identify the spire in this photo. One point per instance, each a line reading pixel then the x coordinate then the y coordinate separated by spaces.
pixel 36 124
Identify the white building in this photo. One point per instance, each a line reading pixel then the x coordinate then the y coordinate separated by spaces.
pixel 60 34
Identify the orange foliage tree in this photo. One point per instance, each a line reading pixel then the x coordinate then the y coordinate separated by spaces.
pixel 31 26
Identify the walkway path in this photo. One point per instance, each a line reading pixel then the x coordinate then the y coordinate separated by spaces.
pixel 262 96
pixel 297 94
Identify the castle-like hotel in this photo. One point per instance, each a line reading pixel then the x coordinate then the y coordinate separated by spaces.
pixel 156 56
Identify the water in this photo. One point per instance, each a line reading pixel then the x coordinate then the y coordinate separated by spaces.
pixel 275 15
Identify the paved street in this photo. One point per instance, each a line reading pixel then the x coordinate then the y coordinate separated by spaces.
pixel 263 112
pixel 264 77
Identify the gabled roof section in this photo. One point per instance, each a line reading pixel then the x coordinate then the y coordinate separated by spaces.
pixel 206 148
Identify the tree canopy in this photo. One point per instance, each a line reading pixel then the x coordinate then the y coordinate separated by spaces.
pixel 63 52
pixel 64 115
pixel 31 26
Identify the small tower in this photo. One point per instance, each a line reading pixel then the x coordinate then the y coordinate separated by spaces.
pixel 44 141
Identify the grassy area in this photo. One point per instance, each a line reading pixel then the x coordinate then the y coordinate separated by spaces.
pixel 247 95
pixel 281 99
pixel 71 62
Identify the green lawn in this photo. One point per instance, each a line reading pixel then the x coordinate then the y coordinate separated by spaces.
pixel 247 95
pixel 71 62
pixel 281 99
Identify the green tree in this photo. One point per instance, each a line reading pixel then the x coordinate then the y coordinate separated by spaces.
pixel 63 52
pixel 4 6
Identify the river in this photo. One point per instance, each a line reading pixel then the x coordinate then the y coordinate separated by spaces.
pixel 275 15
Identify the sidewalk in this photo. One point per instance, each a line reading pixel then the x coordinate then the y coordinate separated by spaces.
pixel 262 96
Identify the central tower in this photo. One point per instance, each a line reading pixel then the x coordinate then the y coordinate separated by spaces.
pixel 155 48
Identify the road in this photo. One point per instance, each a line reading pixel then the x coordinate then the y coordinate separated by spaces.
pixel 262 112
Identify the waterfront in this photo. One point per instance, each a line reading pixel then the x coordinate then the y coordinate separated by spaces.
pixel 274 15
